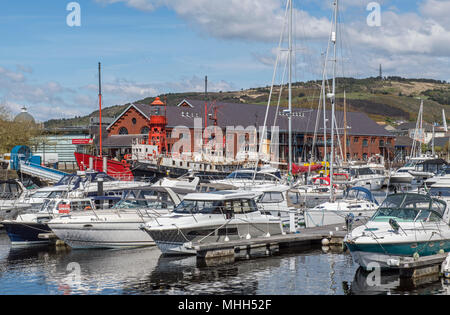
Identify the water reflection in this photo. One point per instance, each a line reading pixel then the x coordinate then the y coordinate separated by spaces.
pixel 145 271
pixel 389 282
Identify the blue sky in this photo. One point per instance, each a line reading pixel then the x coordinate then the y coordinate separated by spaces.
pixel 150 47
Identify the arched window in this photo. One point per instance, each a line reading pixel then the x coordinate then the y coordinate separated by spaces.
pixel 123 131
pixel 134 121
pixel 145 130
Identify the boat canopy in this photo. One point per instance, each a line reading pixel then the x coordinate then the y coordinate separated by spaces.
pixel 361 193
pixel 410 206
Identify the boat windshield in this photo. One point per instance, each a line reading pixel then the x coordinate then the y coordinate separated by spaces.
pixel 410 208
pixel 240 175
pixel 248 175
pixel 145 199
pixel 361 171
pixel 216 207
pixel 40 194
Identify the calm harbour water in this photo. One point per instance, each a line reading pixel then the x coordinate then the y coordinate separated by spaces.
pixel 144 271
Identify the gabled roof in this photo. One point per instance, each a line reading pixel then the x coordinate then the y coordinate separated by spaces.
pixel 138 107
pixel 245 115
pixel 184 103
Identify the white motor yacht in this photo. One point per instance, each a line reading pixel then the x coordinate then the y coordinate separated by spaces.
pixel 364 176
pixel 11 193
pixel 249 178
pixel 26 228
pixel 405 225
pixel 358 202
pixel 204 218
pixel 402 175
pixel 118 227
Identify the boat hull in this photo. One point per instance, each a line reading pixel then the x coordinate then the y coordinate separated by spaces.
pixel 329 217
pixel 147 170
pixel 115 169
pixel 26 233
pixel 102 235
pixel 179 241
pixel 384 255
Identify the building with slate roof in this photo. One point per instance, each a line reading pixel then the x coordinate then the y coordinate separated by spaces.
pixel 365 137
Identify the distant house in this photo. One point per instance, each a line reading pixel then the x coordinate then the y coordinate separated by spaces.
pixel 425 135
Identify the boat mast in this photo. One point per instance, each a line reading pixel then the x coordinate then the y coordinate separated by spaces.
pixel 333 96
pixel 345 128
pixel 100 106
pixel 290 85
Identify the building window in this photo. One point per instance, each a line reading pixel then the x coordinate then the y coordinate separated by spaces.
pixel 365 156
pixel 381 143
pixel 123 131
pixel 134 121
pixel 389 141
pixel 355 140
pixel 372 140
pixel 145 130
pixel 365 143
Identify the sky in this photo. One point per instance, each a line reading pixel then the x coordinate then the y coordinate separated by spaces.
pixel 152 47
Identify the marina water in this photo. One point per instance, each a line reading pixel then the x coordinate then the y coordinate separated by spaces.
pixel 145 271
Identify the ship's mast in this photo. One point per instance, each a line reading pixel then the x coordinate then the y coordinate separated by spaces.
pixel 333 96
pixel 100 106
pixel 290 84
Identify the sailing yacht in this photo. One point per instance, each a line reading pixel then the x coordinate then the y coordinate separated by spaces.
pixel 406 174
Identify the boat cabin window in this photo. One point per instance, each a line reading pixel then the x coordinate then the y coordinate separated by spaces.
pixel 56 194
pixel 80 205
pixel 145 199
pixel 9 190
pixel 40 194
pixel 271 197
pixel 216 207
pixel 440 191
pixel 361 171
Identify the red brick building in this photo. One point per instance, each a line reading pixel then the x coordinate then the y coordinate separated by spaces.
pixel 365 138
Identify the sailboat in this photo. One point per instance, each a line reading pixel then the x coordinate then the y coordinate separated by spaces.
pixel 403 175
pixel 335 211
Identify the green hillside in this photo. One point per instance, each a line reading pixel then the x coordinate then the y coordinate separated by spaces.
pixel 387 100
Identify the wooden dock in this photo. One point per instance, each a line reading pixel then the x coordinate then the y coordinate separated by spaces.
pixel 248 248
pixel 426 266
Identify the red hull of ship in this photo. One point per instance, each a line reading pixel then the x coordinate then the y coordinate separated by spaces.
pixel 115 169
